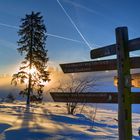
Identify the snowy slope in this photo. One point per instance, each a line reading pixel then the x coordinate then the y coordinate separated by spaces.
pixel 49 121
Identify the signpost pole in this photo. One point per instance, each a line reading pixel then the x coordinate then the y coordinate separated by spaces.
pixel 124 84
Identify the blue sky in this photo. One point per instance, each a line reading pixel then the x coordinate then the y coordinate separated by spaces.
pixel 73 27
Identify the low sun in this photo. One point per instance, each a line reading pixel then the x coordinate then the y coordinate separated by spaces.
pixel 32 70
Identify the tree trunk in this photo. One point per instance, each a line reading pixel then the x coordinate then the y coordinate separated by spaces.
pixel 72 110
pixel 30 65
pixel 29 90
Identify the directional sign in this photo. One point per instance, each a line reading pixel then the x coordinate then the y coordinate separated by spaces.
pixel 91 97
pixel 101 65
pixel 135 80
pixel 135 98
pixel 133 45
pixel 89 66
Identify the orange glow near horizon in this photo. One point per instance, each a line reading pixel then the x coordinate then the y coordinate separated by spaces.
pixel 5 80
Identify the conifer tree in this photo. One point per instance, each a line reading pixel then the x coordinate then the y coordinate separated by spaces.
pixel 33 69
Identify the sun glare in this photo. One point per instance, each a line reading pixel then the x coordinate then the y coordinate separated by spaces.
pixel 44 83
pixel 26 81
pixel 32 70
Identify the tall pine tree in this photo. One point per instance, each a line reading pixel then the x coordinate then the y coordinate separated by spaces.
pixel 33 70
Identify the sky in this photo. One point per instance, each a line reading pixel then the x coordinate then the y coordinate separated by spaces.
pixel 74 27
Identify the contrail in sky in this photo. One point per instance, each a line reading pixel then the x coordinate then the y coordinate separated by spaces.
pixel 52 35
pixel 83 7
pixel 65 38
pixel 86 42
pixel 112 19
pixel 9 26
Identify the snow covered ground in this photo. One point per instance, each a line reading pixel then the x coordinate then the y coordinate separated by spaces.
pixel 49 121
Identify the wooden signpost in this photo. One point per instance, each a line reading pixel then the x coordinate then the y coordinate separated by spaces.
pixel 87 97
pixel 135 80
pixel 122 64
pixel 102 65
pixel 133 45
pixel 124 85
pixel 92 97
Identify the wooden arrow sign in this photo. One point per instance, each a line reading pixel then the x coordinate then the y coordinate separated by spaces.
pixel 135 80
pixel 91 97
pixel 133 45
pixel 102 65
